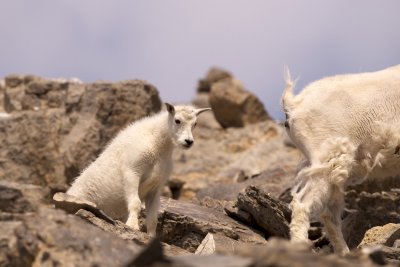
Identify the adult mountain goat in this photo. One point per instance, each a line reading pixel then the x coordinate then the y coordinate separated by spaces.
pixel 136 165
pixel 348 128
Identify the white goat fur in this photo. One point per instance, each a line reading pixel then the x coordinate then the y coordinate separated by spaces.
pixel 136 164
pixel 348 128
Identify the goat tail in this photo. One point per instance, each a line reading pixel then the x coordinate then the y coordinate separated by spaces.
pixel 288 98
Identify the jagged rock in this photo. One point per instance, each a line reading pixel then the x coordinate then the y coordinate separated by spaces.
pixel 55 128
pixel 185 225
pixel 213 75
pixel 367 210
pixel 214 243
pixel 381 235
pixel 270 214
pixel 233 106
pixel 21 198
pixel 53 238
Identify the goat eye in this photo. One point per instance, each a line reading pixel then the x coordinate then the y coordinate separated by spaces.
pixel 177 121
pixel 195 124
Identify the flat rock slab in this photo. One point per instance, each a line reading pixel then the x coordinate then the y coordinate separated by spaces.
pixel 71 204
pixel 270 214
pixel 185 225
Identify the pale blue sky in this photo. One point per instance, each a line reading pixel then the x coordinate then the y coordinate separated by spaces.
pixel 172 43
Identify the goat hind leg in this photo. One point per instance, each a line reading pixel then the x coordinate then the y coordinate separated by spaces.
pixel 332 221
pixel 308 200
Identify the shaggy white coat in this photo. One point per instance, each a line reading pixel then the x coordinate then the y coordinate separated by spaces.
pixel 135 166
pixel 348 128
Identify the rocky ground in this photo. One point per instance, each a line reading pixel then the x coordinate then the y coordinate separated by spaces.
pixel 225 205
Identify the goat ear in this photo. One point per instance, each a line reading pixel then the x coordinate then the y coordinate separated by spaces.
pixel 201 110
pixel 170 108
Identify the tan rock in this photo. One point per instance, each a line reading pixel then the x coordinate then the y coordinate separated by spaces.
pixel 381 235
pixel 234 106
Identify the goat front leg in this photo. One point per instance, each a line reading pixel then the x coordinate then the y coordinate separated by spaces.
pixel 332 221
pixel 152 202
pixel 161 173
pixel 132 181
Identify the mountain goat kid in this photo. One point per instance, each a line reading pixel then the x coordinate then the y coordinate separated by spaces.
pixel 348 128
pixel 136 164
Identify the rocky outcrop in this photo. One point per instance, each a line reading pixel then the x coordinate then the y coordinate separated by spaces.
pixel 51 129
pixel 269 214
pixel 63 125
pixel 233 106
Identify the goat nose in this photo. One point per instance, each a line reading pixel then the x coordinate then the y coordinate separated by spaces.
pixel 189 142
